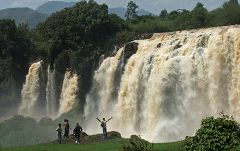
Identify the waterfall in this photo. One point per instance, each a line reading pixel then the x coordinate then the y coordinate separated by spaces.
pixel 104 89
pixel 51 104
pixel 68 98
pixel 31 92
pixel 169 85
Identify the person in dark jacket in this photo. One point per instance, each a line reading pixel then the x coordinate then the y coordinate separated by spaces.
pixel 59 133
pixel 77 133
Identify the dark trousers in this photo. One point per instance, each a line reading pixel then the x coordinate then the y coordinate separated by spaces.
pixel 59 138
pixel 66 133
pixel 77 137
pixel 104 133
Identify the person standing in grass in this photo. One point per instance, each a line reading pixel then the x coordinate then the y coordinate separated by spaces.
pixel 77 133
pixel 104 126
pixel 59 133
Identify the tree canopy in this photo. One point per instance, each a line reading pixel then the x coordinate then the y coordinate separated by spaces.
pixel 131 10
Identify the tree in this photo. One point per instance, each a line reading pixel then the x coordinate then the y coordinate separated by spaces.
pixel 84 27
pixel 199 16
pixel 173 15
pixel 231 13
pixel 163 14
pixel 218 134
pixel 131 13
pixel 15 52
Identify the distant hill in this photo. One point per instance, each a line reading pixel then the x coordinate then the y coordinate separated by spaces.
pixel 34 17
pixel 23 15
pixel 53 7
pixel 142 12
pixel 120 11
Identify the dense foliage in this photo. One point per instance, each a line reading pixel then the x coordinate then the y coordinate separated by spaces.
pixel 181 19
pixel 79 31
pixel 16 50
pixel 218 134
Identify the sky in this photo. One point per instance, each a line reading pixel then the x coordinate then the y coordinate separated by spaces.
pixel 154 6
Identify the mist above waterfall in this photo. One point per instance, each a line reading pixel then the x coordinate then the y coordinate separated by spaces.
pixel 171 83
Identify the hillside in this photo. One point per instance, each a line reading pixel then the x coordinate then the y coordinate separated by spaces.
pixel 54 6
pixel 23 15
pixel 120 11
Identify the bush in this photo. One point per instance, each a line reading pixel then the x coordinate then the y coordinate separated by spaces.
pixel 216 134
pixel 138 144
pixel 151 26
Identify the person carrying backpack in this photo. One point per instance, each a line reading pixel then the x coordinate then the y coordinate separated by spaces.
pixel 104 126
pixel 77 133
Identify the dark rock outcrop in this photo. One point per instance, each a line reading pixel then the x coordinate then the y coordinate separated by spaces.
pixel 85 138
pixel 130 49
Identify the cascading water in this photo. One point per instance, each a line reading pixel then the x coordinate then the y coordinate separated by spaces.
pixel 68 98
pixel 31 91
pixel 171 83
pixel 105 86
pixel 34 105
pixel 51 104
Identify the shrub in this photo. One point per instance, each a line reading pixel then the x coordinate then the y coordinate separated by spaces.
pixel 138 144
pixel 216 134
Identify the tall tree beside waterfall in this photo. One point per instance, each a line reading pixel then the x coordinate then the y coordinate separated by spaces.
pixel 199 16
pixel 131 10
pixel 15 52
pixel 231 12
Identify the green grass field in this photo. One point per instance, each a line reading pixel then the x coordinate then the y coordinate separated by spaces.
pixel 111 145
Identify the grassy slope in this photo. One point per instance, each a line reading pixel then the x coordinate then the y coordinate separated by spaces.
pixel 111 145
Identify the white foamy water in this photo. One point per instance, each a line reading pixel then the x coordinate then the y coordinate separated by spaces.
pixel 68 98
pixel 31 91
